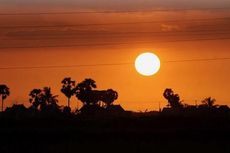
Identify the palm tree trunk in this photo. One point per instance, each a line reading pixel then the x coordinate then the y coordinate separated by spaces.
pixel 2 104
pixel 68 102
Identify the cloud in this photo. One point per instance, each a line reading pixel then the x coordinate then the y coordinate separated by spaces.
pixel 158 30
pixel 120 4
pixel 169 28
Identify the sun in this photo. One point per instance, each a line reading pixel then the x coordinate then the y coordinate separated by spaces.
pixel 147 64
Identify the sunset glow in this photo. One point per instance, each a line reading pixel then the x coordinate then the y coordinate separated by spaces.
pixel 111 76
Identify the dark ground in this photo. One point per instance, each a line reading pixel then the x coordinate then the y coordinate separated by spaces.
pixel 142 134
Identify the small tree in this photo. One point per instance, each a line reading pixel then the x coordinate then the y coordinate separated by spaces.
pixel 173 99
pixel 68 88
pixel 209 102
pixel 4 93
pixel 110 97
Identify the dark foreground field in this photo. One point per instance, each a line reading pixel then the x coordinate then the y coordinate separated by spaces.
pixel 115 135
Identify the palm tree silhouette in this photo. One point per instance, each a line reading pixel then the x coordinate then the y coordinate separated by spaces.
pixel 4 93
pixel 49 98
pixel 209 102
pixel 35 98
pixel 43 98
pixel 68 88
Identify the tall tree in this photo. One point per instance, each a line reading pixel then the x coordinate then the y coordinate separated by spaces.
pixel 4 93
pixel 68 88
pixel 209 102
pixel 173 99
pixel 84 90
pixel 87 85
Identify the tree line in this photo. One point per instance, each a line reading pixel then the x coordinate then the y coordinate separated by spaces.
pixel 85 91
pixel 174 101
pixel 45 101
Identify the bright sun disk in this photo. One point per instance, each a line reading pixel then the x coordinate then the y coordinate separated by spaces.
pixel 147 64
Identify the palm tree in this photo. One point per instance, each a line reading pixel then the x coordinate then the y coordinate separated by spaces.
pixel 4 93
pixel 43 98
pixel 209 102
pixel 35 97
pixel 68 88
pixel 49 97
pixel 49 100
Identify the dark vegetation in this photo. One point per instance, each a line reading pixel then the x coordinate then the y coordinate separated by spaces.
pixel 101 126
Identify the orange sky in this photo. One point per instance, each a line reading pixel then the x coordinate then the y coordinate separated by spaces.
pixel 118 43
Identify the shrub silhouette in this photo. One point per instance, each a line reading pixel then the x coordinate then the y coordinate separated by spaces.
pixel 208 102
pixel 17 110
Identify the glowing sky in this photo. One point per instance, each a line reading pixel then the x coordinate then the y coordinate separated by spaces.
pixel 97 38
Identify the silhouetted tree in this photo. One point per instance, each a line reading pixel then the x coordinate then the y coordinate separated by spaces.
pixel 43 99
pixel 4 93
pixel 110 96
pixel 49 98
pixel 84 90
pixel 68 88
pixel 35 98
pixel 209 102
pixel 173 99
pixel 87 85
